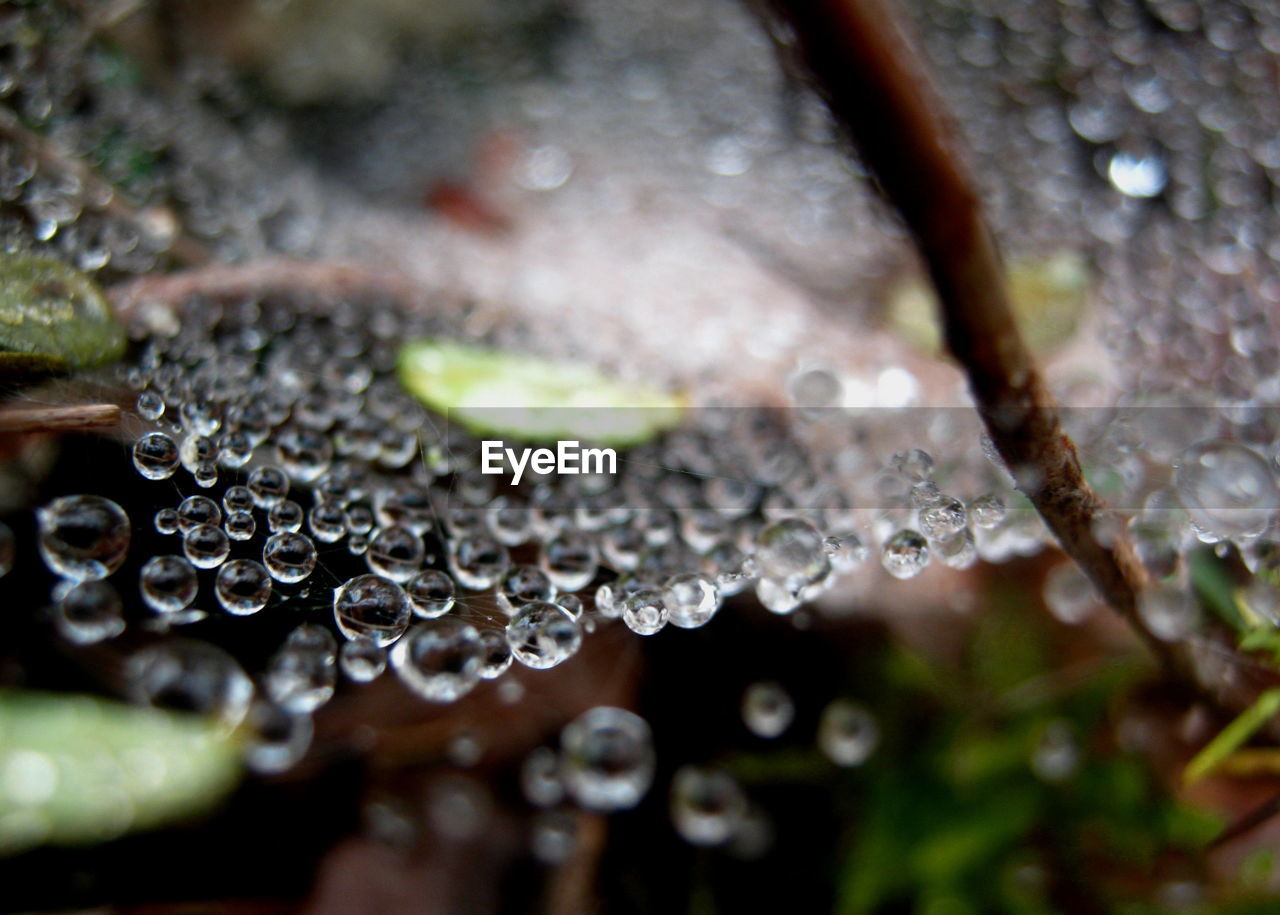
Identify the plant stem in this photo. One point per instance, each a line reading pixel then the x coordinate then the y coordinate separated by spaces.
pixel 59 419
pixel 879 90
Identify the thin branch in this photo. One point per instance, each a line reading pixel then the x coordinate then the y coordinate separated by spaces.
pixel 880 92
pixel 327 280
pixel 59 419
pixel 100 195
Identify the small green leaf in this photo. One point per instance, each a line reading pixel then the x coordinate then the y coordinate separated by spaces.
pixel 76 769
pixel 51 311
pixel 1233 736
pixel 533 399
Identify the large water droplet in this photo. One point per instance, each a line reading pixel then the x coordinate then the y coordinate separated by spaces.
pixel 439 659
pixel 371 607
pixel 607 759
pixel 83 537
pixel 542 635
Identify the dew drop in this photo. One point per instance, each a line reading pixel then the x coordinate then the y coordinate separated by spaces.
pixel 243 587
pixel 644 611
pixel 362 660
pixel 691 599
pixel 431 593
pixel 905 554
pixel 707 805
pixel 206 546
pixel 289 557
pixel 89 612
pixel 168 584
pixel 440 659
pixel 607 759
pixel 371 607
pixel 83 537
pixel 155 455
pixel 847 733
pixel 542 635
pixel 767 709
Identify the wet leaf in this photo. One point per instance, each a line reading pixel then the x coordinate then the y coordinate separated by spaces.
pixel 76 769
pixel 54 314
pixel 531 398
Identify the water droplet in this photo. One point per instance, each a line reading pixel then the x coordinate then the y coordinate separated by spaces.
pixel 1069 595
pixel 767 709
pixel 155 455
pixel 328 522
pixel 396 552
pixel 168 584
pixel 289 557
pixel 791 551
pixel 431 593
pixel 190 676
pixel 496 659
pixel 905 554
pixel 570 561
pixel 1056 754
pixel 607 759
pixel 1226 488
pixel 943 518
pixel 268 485
pixel 237 499
pixel 83 537
pixel 150 405
pixel 440 659
pixel 304 454
pixel 362 660
pixel 1137 176
pixel 540 778
pixel 301 676
pixel 1168 611
pixel 571 604
pixel 206 546
pixel 915 465
pixel 371 607
pixel 478 561
pixel 243 587
pixel 276 739
pixel 166 521
pixel 240 526
pixel 987 511
pixel 521 585
pixel 707 805
pixel 542 635
pixel 644 611
pixel 691 599
pixel 197 510
pixel 847 733
pixel 89 612
pixel 286 516
pixel 845 551
pixel 555 836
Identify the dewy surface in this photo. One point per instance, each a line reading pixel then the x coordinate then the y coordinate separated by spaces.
pixel 647 194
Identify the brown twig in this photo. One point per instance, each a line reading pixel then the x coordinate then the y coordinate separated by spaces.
pixel 59 419
pixel 880 92
pixel 99 195
pixel 325 279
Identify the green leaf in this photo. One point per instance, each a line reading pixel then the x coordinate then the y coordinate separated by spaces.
pixel 51 311
pixel 76 769
pixel 1233 736
pixel 531 398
